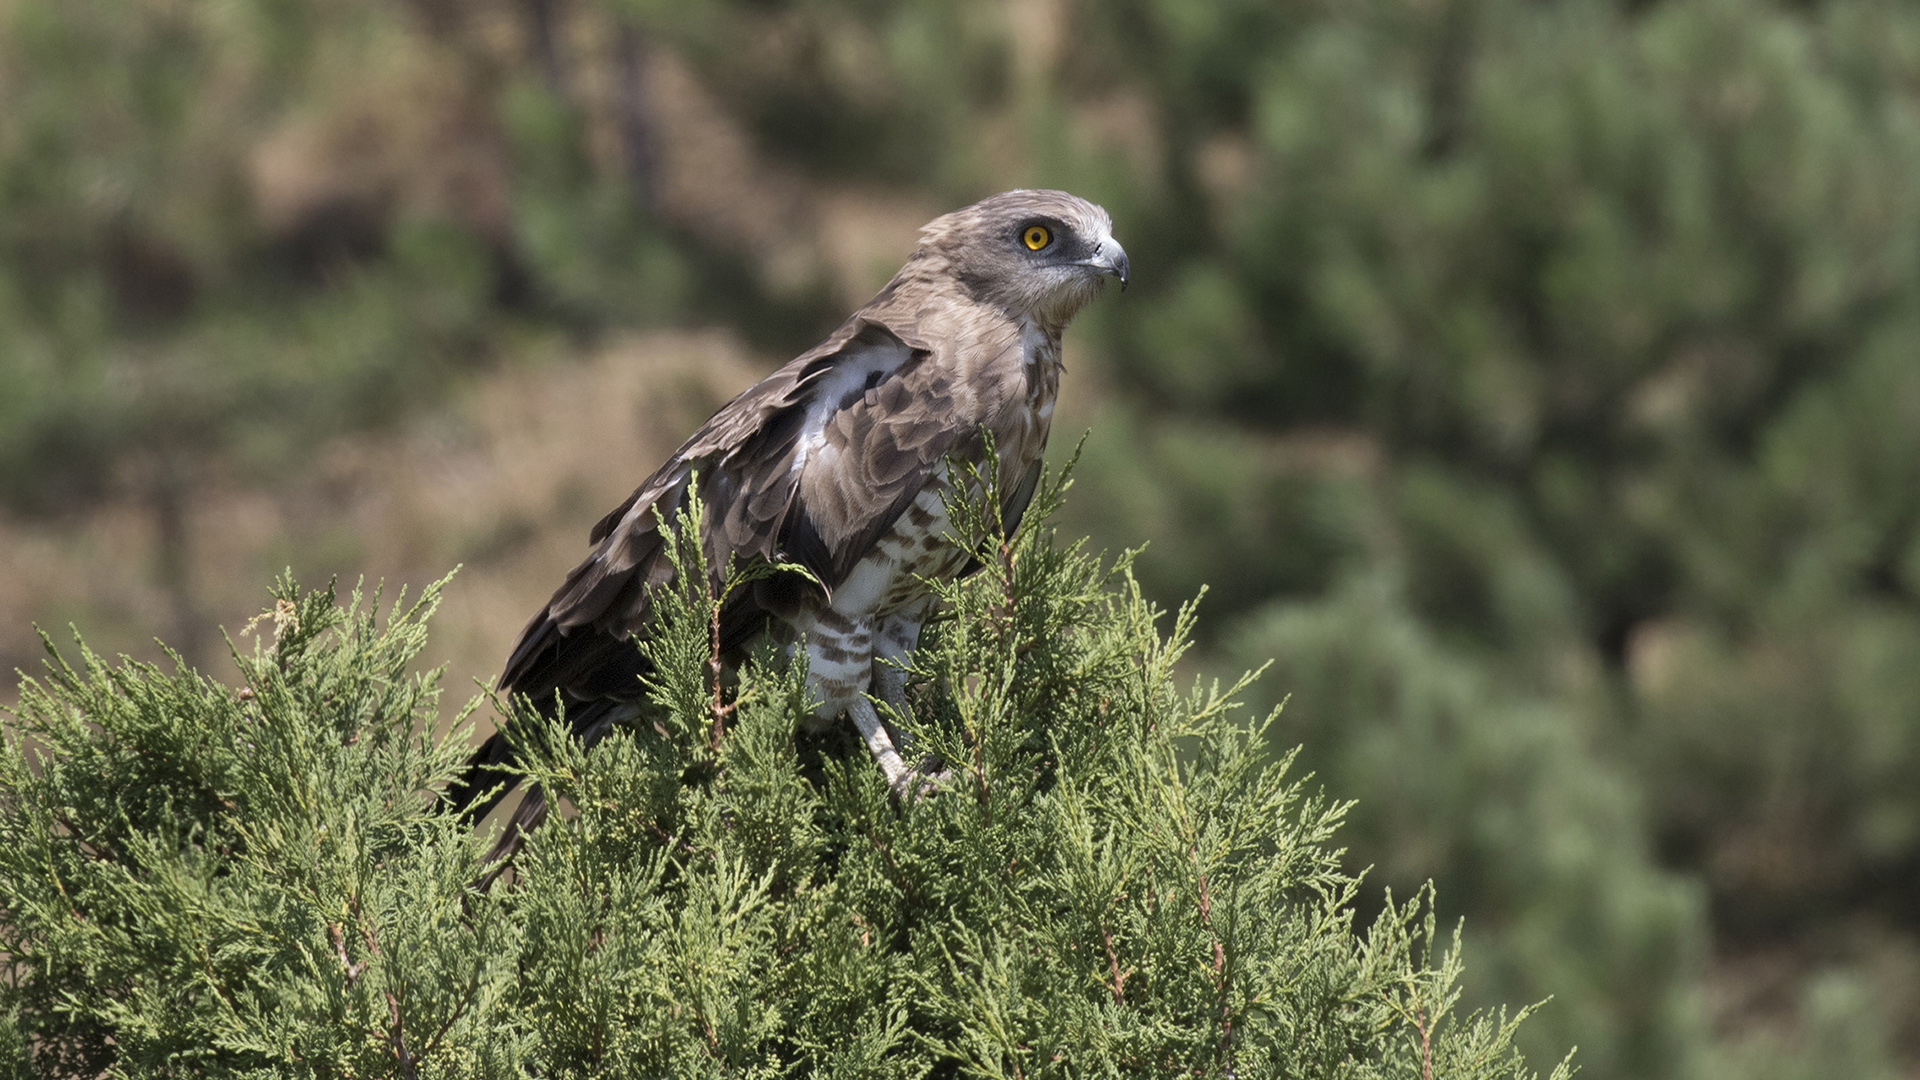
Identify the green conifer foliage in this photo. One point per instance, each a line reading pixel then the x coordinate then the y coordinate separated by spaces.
pixel 200 879
pixel 1113 877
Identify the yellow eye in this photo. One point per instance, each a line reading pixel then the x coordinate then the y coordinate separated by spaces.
pixel 1036 237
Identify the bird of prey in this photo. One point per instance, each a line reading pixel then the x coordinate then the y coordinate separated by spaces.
pixel 837 463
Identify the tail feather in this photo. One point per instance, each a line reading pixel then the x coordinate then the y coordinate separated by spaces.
pixel 598 677
pixel 490 776
pixel 526 818
pixel 484 776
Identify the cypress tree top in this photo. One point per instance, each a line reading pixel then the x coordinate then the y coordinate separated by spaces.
pixel 211 880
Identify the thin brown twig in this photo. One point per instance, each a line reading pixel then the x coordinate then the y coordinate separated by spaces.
pixel 717 707
pixel 899 877
pixel 213 980
pixel 980 778
pixel 1206 920
pixel 466 1000
pixel 1113 964
pixel 1219 970
pixel 1008 600
pixel 352 969
pixel 670 839
pixel 706 1022
pixel 1426 1044
pixel 398 1038
pixel 92 849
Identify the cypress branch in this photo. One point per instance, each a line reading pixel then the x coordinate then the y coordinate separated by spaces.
pixel 1116 877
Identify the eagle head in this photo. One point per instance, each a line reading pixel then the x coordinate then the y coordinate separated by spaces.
pixel 1037 255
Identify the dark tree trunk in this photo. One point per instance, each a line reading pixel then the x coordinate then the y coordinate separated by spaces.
pixel 634 108
pixel 173 563
pixel 543 43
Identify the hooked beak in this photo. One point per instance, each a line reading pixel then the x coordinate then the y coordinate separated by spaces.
pixel 1110 259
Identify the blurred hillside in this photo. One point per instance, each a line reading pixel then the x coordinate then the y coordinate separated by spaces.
pixel 1533 382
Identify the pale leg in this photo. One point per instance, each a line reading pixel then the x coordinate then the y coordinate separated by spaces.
pixel 898 635
pixel 880 745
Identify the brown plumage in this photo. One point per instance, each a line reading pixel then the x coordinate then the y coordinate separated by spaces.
pixel 835 462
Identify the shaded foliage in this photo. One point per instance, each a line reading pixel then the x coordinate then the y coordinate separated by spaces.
pixel 1115 876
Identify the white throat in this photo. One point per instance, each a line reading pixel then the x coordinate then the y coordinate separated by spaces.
pixel 1037 347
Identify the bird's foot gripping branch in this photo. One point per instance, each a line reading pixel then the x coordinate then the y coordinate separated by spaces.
pixel 1115 878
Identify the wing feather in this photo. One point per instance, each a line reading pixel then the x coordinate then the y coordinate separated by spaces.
pixel 770 492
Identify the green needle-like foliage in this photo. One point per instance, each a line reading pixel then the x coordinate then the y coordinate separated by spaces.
pixel 1108 874
pixel 201 879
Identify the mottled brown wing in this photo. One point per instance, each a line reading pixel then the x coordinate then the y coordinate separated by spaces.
pixel 740 453
pixel 875 456
pixel 879 444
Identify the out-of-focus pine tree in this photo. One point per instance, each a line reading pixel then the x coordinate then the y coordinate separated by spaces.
pixel 230 232
pixel 1536 383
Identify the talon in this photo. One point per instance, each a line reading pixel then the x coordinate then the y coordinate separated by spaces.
pixel 919 784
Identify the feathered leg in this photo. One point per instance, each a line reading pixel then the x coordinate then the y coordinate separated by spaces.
pixel 880 744
pixel 897 637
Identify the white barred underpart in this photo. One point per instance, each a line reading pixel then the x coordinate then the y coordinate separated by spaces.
pixel 870 627
pixel 861 640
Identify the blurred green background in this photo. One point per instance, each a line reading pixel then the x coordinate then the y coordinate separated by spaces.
pixel 1534 382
